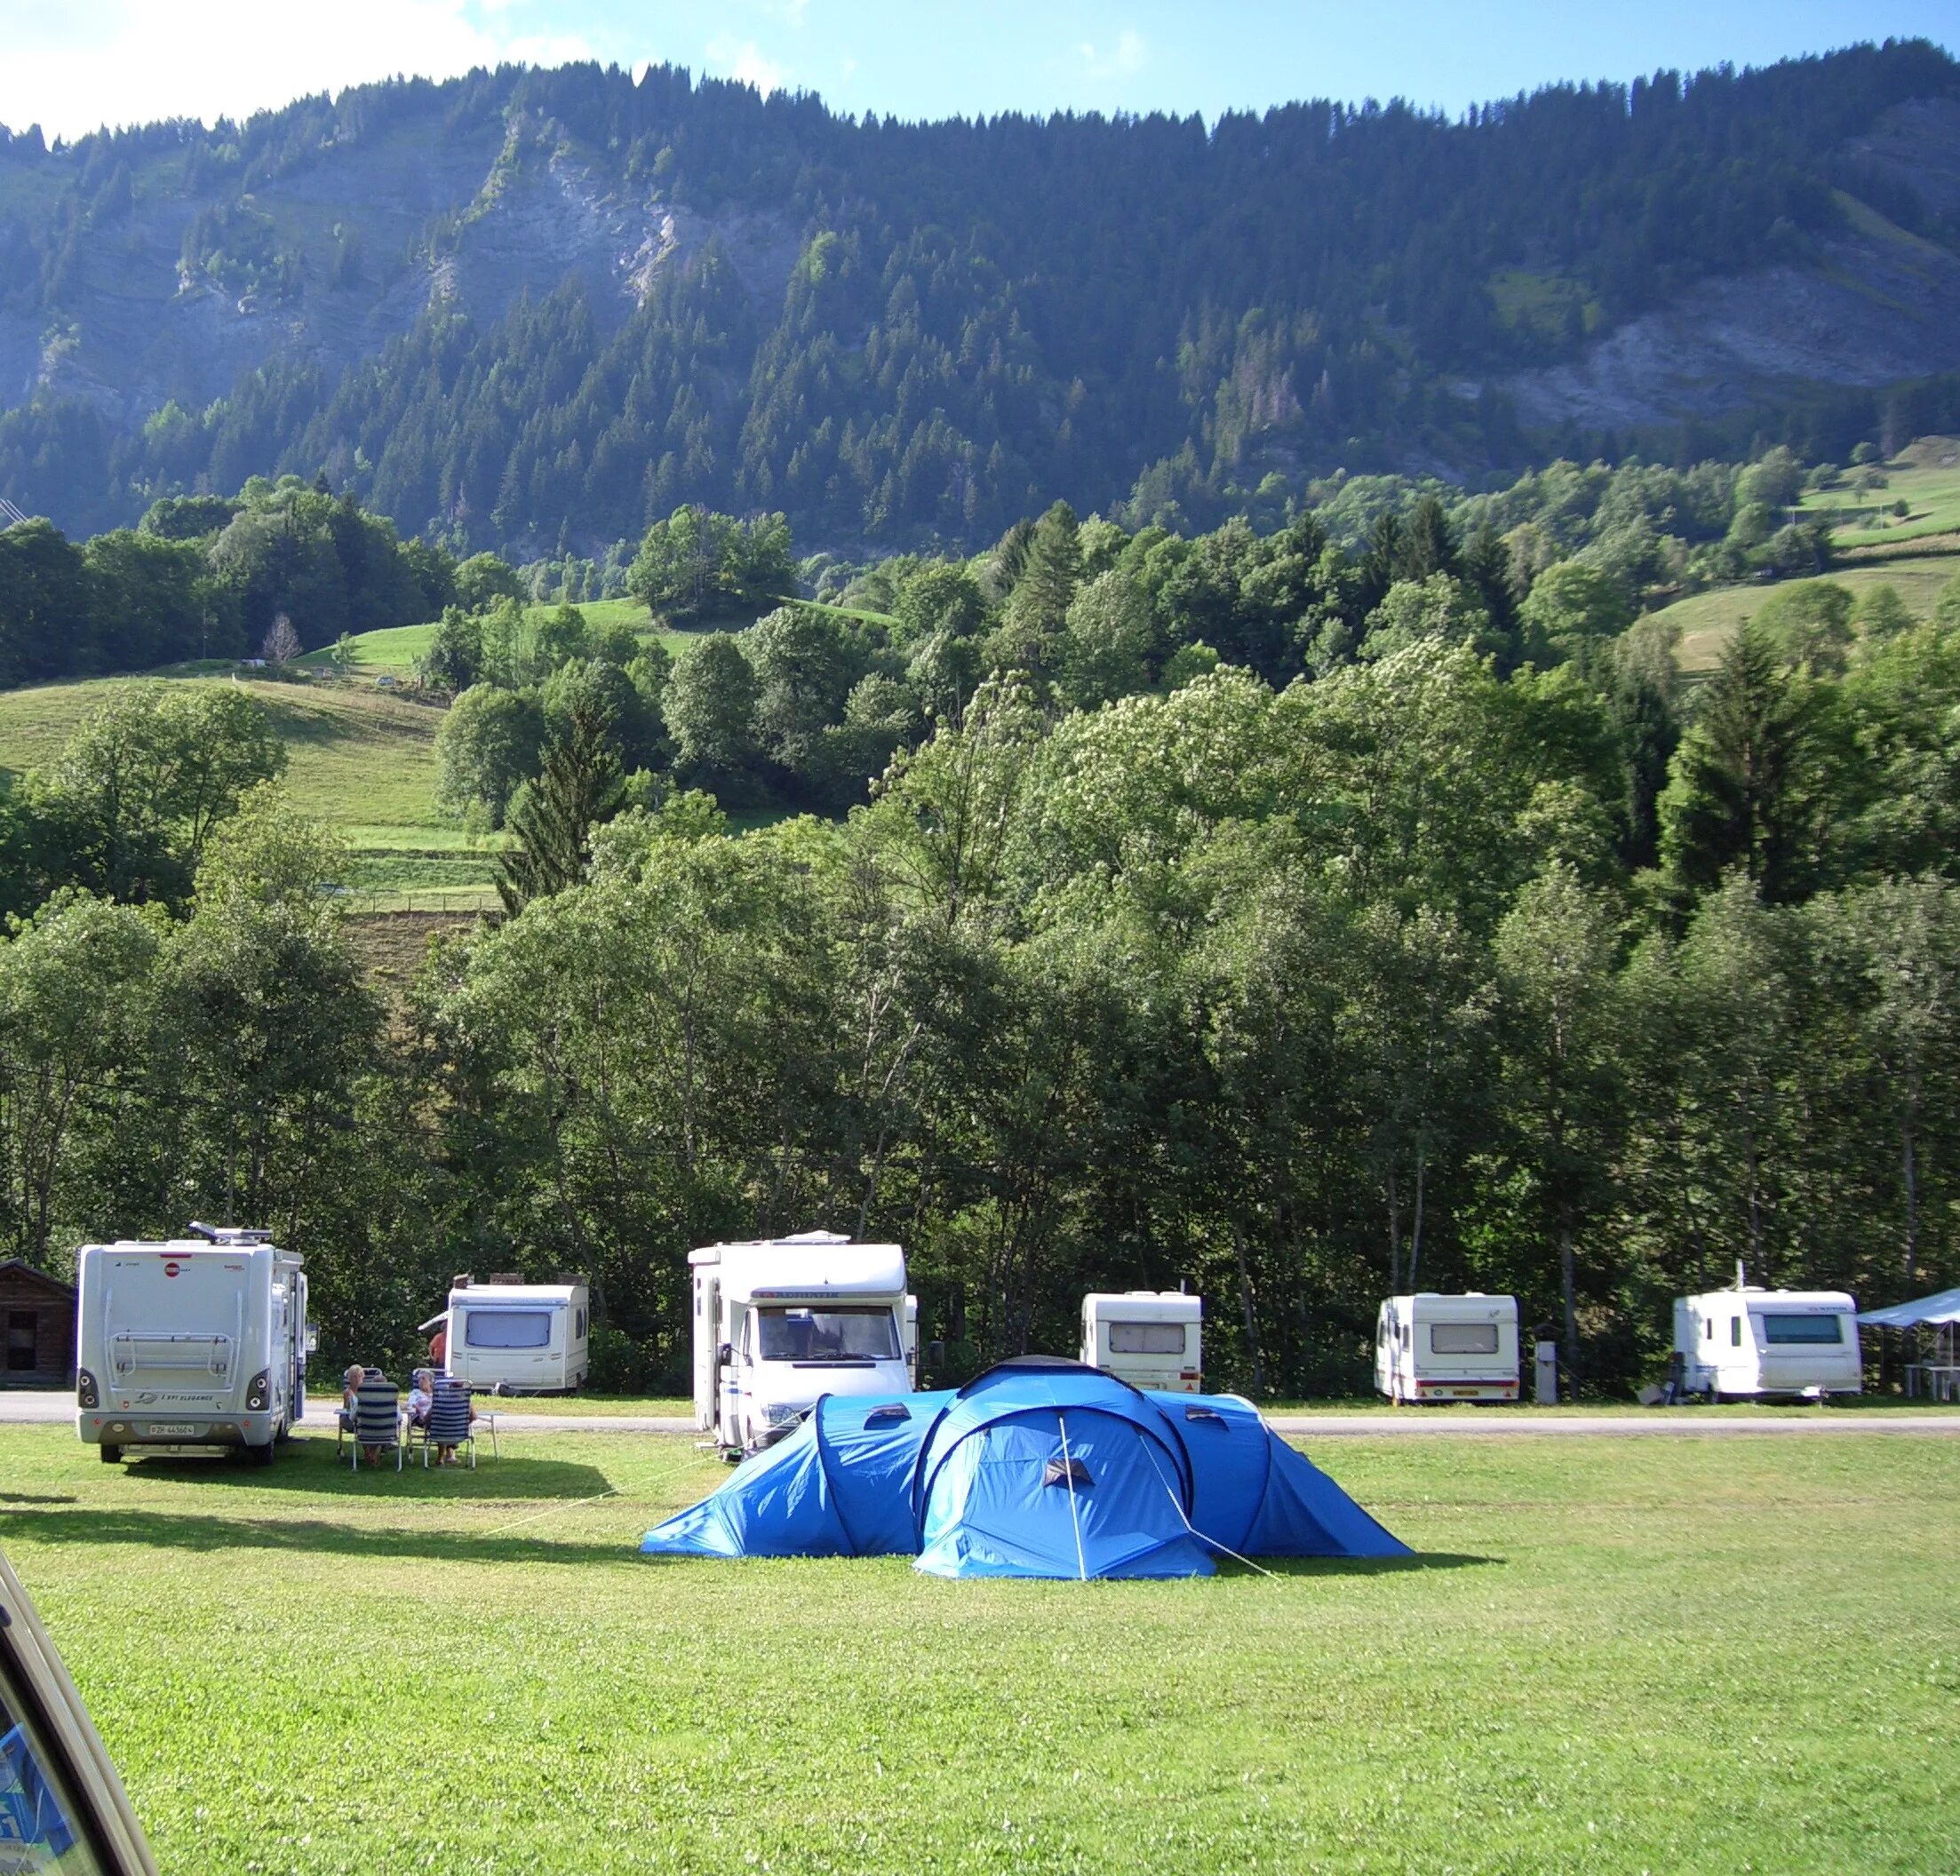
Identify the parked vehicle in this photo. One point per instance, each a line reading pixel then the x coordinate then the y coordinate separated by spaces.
pixel 781 1321
pixel 1434 1347
pixel 1749 1341
pixel 62 1808
pixel 195 1341
pixel 1149 1337
pixel 515 1337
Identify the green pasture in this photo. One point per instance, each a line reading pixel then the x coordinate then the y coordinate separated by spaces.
pixel 1925 476
pixel 1708 620
pixel 1611 1656
pixel 358 755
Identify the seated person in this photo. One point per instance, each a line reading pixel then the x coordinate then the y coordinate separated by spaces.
pixel 445 1455
pixel 421 1392
pixel 350 1380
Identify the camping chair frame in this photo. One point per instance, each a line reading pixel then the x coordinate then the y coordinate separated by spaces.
pixel 342 1432
pixel 452 1422
pixel 377 1420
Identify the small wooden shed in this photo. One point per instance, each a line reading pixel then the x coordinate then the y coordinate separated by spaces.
pixel 37 1328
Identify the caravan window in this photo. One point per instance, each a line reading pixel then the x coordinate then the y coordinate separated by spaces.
pixel 1146 1337
pixel 1463 1338
pixel 507 1328
pixel 1735 1332
pixel 828 1335
pixel 1806 1328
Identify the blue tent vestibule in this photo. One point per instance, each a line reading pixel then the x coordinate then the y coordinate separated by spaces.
pixel 1039 1468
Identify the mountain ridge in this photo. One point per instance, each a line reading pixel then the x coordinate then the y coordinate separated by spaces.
pixel 534 309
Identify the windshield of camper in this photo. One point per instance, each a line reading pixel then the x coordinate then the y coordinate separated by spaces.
pixel 1811 1329
pixel 507 1328
pixel 828 1335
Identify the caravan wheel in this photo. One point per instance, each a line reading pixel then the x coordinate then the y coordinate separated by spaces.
pixel 261 1455
pixel 109 1455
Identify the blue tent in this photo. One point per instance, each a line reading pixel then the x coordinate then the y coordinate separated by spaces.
pixel 1039 1468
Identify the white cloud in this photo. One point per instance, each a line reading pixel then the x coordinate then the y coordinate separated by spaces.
pixel 72 66
pixel 743 61
pixel 1127 57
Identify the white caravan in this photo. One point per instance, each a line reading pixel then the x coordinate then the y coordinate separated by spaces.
pixel 517 1338
pixel 1148 1338
pixel 1751 1342
pixel 779 1323
pixel 197 1342
pixel 1432 1348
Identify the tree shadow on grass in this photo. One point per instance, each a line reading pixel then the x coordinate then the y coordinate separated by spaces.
pixel 195 1531
pixel 311 1468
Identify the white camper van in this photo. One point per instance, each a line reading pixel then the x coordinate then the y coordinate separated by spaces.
pixel 517 1338
pixel 197 1342
pixel 1431 1348
pixel 1148 1338
pixel 779 1323
pixel 1753 1341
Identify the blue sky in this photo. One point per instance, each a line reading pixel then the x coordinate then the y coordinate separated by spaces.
pixel 71 64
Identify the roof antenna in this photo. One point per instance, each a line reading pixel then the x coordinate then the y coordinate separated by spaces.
pixel 1741 1280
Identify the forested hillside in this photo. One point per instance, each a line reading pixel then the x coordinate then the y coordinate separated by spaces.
pixel 537 310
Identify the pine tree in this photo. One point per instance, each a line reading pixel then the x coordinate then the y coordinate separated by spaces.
pixel 578 787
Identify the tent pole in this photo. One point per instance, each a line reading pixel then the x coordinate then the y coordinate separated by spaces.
pixel 1068 1474
pixel 1194 1531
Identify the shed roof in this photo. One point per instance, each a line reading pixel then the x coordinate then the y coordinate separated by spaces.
pixel 57 1290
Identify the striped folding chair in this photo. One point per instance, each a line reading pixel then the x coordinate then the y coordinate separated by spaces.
pixel 377 1420
pixel 449 1421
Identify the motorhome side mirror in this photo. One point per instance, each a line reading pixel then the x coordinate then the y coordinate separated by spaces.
pixel 725 1354
pixel 935 1356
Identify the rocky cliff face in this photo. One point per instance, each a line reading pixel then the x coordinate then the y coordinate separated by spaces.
pixel 1878 305
pixel 472 219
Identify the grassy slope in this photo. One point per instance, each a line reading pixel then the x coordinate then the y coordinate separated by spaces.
pixel 1926 476
pixel 393 653
pixel 360 760
pixel 1706 619
pixel 1619 1655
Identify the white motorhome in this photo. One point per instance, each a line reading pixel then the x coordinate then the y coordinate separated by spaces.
pixel 779 1323
pixel 1148 1338
pixel 1433 1347
pixel 1750 1341
pixel 513 1338
pixel 196 1341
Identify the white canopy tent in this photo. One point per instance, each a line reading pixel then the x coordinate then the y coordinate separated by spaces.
pixel 1941 1313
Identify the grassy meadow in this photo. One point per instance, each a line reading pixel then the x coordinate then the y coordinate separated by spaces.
pixel 1926 476
pixel 1613 1656
pixel 1708 620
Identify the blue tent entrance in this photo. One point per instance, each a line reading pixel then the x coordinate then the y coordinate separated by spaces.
pixel 1039 1468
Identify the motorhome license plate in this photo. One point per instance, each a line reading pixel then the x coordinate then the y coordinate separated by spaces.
pixel 169 1429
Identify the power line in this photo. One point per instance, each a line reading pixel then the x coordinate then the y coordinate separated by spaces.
pixel 9 514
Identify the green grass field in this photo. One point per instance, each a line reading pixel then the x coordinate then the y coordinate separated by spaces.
pixel 1613 1656
pixel 1707 620
pixel 360 759
pixel 1926 476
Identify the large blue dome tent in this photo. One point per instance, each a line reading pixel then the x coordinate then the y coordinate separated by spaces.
pixel 1041 1468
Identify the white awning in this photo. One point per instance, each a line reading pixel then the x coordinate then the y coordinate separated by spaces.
pixel 1939 1310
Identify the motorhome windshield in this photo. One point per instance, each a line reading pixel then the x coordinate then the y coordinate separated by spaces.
pixel 1811 1328
pixel 828 1335
pixel 507 1328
